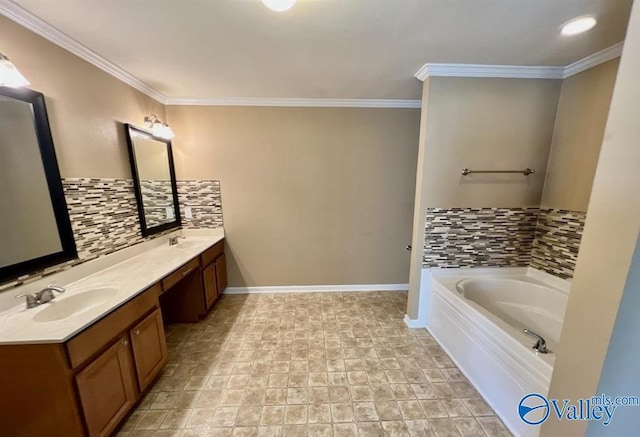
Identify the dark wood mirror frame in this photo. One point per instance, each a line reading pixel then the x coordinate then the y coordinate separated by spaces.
pixel 146 231
pixel 54 182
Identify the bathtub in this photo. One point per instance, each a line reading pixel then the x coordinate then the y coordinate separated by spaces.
pixel 478 316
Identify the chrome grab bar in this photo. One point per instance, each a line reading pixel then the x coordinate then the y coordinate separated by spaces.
pixel 541 344
pixel 526 171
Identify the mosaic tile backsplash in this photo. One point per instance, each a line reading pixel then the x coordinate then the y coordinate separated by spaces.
pixel 204 200
pixel 104 217
pixel 157 202
pixel 557 241
pixel 547 239
pixel 479 237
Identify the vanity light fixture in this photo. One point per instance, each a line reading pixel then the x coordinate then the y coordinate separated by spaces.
pixel 279 5
pixel 578 25
pixel 158 127
pixel 9 74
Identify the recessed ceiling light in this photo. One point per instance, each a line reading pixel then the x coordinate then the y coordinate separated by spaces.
pixel 578 25
pixel 279 5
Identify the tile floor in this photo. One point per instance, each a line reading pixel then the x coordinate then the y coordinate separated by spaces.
pixel 318 364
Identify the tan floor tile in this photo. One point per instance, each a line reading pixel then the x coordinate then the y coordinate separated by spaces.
pixel 320 430
pixel 295 431
pixel 295 414
pixel 370 429
pixel 176 419
pixel 151 419
pixel 272 415
pixel 444 428
pixel 249 416
pixel 319 413
pixel 309 364
pixel 245 431
pixel 318 379
pixel 342 412
pixel 319 395
pixel 339 394
pixel 275 396
pixel 395 429
pixel 478 407
pixel 200 418
pixel 360 393
pixel 223 416
pixel 493 427
pixel 345 430
pixel 365 412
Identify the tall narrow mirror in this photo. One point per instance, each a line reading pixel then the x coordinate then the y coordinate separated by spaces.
pixel 35 230
pixel 154 179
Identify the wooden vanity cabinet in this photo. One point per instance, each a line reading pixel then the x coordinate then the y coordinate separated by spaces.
pixel 190 291
pixel 107 388
pixel 149 348
pixel 214 273
pixel 87 385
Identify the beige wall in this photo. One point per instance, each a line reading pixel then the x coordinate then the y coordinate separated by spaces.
pixel 85 104
pixel 310 195
pixel 608 241
pixel 481 124
pixel 580 123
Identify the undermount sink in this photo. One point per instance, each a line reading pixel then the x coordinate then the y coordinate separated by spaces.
pixel 64 307
pixel 185 245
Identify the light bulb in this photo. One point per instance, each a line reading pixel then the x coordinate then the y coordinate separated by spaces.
pixel 9 74
pixel 578 25
pixel 279 5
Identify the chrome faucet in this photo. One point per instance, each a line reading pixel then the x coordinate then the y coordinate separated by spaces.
pixel 541 344
pixel 43 296
pixel 174 239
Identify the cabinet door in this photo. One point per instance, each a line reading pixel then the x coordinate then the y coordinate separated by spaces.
pixel 221 273
pixel 210 286
pixel 107 388
pixel 149 348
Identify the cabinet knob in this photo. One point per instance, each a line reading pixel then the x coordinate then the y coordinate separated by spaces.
pixel 125 342
pixel 136 332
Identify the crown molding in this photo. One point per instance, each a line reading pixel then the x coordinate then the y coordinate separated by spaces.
pixel 478 70
pixel 519 72
pixel 594 60
pixel 26 19
pixel 310 103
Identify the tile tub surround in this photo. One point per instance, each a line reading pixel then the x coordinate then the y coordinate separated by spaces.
pixel 104 217
pixel 313 364
pixel 479 237
pixel 557 241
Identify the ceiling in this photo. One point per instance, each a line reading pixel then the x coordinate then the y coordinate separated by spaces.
pixel 323 49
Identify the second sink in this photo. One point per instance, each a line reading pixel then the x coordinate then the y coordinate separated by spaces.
pixel 64 307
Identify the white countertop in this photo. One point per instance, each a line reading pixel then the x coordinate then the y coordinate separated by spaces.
pixel 129 277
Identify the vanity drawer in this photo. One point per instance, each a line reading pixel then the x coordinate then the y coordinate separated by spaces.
pixel 209 255
pixel 91 340
pixel 177 276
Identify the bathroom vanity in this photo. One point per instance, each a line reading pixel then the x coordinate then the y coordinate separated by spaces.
pixel 77 366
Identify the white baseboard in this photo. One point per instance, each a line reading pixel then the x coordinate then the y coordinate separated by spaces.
pixel 316 288
pixel 413 323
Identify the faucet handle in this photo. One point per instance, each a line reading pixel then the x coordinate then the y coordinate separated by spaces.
pixel 32 301
pixel 52 286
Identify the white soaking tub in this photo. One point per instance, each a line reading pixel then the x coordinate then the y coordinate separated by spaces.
pixel 478 317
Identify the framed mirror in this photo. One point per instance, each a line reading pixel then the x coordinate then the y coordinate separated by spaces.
pixel 154 181
pixel 35 230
